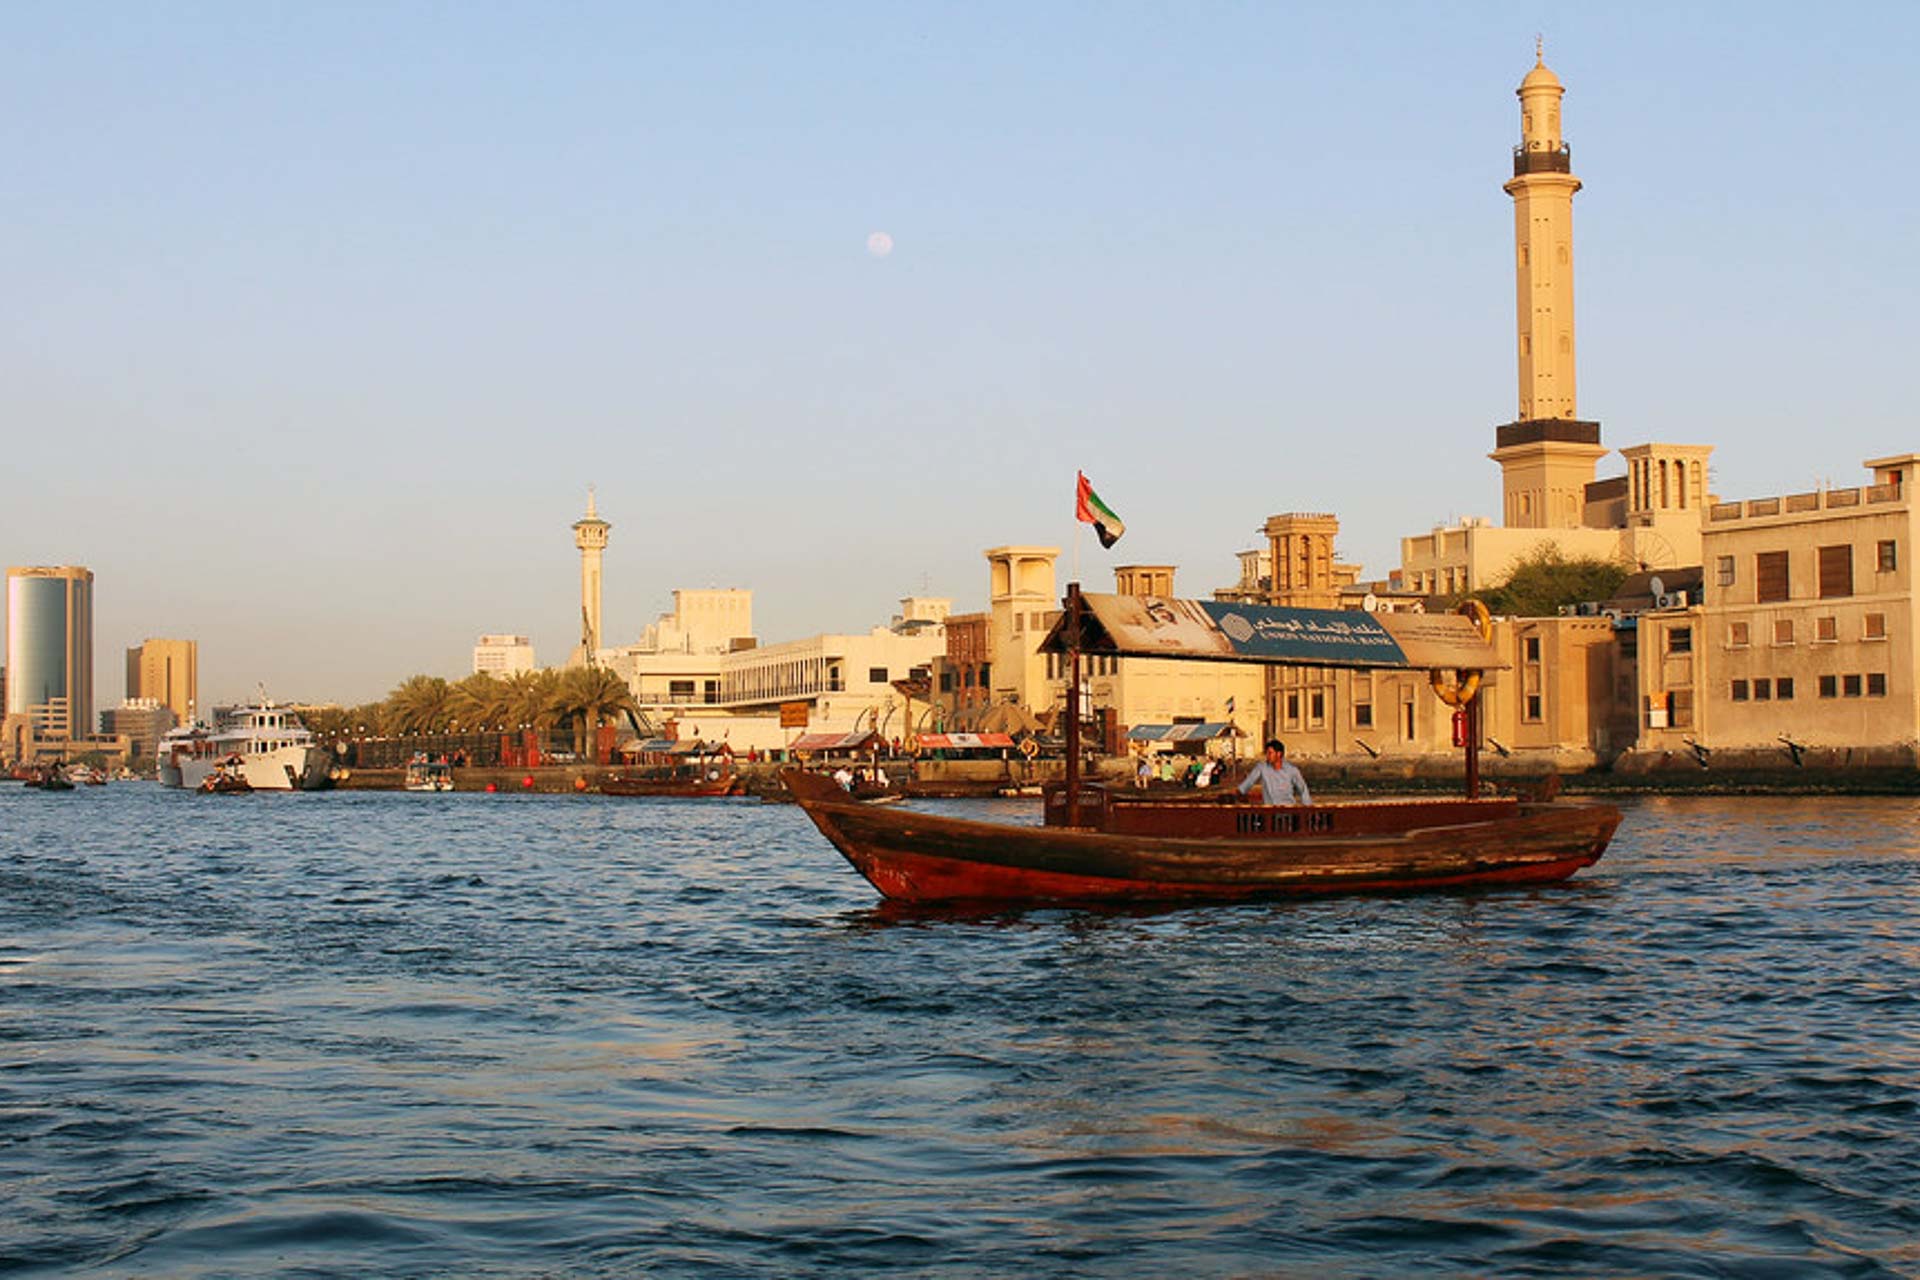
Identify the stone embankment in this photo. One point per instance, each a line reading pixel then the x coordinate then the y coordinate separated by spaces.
pixel 1759 771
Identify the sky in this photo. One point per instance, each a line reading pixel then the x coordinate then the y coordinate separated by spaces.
pixel 321 319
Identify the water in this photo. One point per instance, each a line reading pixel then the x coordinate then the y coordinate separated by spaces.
pixel 470 1035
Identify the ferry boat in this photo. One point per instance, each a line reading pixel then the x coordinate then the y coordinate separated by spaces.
pixel 1097 845
pixel 274 750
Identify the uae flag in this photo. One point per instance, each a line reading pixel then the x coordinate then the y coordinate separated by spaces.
pixel 1088 507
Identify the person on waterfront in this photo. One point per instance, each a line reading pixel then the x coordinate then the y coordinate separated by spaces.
pixel 1279 780
pixel 844 776
pixel 1143 775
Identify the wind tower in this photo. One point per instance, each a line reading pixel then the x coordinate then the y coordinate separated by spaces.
pixel 1547 454
pixel 590 535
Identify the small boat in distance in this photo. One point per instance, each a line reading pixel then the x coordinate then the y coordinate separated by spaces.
pixel 674 767
pixel 227 777
pixel 1113 846
pixel 428 775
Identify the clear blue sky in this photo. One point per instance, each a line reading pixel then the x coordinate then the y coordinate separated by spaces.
pixel 321 318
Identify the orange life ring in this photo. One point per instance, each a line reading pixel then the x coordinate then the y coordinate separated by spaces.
pixel 1458 688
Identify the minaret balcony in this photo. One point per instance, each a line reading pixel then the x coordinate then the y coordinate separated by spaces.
pixel 1556 160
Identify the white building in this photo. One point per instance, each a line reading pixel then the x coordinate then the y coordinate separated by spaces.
pixel 502 655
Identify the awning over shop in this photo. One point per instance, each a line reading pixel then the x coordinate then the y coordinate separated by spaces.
pixel 1184 732
pixel 835 742
pixel 953 741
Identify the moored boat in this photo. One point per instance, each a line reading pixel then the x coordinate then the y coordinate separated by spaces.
pixel 227 777
pixel 1097 846
pixel 428 775
pixel 670 767
pixel 276 752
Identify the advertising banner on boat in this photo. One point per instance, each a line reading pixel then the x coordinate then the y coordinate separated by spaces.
pixel 1150 626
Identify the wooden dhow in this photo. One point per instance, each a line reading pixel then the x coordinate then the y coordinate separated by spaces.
pixel 1102 846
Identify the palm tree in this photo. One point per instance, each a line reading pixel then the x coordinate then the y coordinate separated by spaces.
pixel 529 700
pixel 421 704
pixel 587 696
pixel 482 701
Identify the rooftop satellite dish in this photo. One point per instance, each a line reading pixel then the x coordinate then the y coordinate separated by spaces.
pixel 1656 586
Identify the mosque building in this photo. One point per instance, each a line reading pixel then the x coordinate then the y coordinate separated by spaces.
pixel 1648 518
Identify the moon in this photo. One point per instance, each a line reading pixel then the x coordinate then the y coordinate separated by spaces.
pixel 879 244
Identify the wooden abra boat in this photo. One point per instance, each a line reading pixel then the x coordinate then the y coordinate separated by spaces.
pixel 1229 851
pixel 1101 846
pixel 661 767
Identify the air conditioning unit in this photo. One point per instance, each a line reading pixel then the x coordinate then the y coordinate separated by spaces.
pixel 1670 600
pixel 1587 609
pixel 1613 614
pixel 1567 610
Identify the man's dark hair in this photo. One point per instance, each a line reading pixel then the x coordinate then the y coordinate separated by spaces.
pixel 1274 744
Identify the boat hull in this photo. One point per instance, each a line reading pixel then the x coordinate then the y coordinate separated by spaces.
pixel 708 788
pixel 301 768
pixel 913 857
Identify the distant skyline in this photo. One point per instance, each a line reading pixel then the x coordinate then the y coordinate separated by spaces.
pixel 321 321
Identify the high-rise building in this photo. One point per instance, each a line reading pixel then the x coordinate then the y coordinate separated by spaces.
pixel 167 671
pixel 502 655
pixel 50 648
pixel 142 722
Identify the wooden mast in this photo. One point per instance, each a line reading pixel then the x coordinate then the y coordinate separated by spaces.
pixel 1072 636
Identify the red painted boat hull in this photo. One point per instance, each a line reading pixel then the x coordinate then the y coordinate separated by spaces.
pixel 913 857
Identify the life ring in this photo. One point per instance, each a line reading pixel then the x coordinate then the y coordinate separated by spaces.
pixel 911 746
pixel 1029 748
pixel 1457 688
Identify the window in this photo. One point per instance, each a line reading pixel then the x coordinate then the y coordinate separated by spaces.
pixel 1770 576
pixel 1293 711
pixel 1888 556
pixel 1738 635
pixel 946 680
pixel 986 675
pixel 1874 627
pixel 1533 707
pixel 1783 630
pixel 1363 715
pixel 1533 648
pixel 1826 629
pixel 1783 689
pixel 710 691
pixel 1876 684
pixel 1680 701
pixel 679 691
pixel 876 675
pixel 1836 571
pixel 1317 704
pixel 1739 690
pixel 1762 690
pixel 1680 640
pixel 1726 570
pixel 1829 687
pixel 1850 686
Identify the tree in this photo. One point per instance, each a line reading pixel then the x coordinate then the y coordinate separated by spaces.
pixel 482 701
pixel 1544 579
pixel 421 704
pixel 587 696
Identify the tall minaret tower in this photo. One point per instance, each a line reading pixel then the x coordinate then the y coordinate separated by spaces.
pixel 1546 454
pixel 590 535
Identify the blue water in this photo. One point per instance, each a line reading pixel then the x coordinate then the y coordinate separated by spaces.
pixel 470 1035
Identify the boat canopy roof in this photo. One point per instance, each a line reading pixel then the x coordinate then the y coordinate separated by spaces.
pixel 1184 732
pixel 961 741
pixel 1228 631
pixel 836 741
pixel 672 747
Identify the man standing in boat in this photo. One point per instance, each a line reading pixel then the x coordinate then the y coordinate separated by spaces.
pixel 1280 782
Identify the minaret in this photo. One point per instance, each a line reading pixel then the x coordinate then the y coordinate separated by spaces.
pixel 590 535
pixel 1546 454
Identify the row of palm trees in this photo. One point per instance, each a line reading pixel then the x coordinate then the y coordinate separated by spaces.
pixel 580 699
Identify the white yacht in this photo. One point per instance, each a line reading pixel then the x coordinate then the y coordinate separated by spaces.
pixel 264 743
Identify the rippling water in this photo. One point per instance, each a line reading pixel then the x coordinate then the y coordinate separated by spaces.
pixel 470 1035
